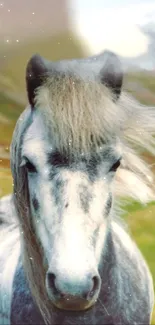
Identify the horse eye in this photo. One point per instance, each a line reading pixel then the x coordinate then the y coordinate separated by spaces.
pixel 30 167
pixel 56 159
pixel 115 166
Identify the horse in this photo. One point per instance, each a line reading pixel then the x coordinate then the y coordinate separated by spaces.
pixel 66 255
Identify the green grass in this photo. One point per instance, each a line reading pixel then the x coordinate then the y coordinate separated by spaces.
pixel 146 79
pixel 142 226
pixel 133 206
pixel 9 108
pixel 5 182
pixel 142 86
pixel 6 132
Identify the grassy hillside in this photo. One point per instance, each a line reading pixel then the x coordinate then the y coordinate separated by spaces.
pixel 142 86
pixel 9 112
pixel 64 46
pixel 147 79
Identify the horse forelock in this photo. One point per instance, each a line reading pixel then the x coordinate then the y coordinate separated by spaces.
pixel 77 111
pixel 83 115
pixel 83 112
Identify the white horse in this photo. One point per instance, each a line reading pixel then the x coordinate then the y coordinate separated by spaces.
pixel 65 258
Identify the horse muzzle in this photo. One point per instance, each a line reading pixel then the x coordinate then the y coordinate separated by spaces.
pixel 69 294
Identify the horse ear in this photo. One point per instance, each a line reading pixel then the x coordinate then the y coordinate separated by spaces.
pixel 111 74
pixel 35 73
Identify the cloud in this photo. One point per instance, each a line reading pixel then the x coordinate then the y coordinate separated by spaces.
pixel 113 28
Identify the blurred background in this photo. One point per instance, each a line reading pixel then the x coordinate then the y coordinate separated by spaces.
pixel 59 29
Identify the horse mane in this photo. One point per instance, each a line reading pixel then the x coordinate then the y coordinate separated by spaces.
pixel 83 115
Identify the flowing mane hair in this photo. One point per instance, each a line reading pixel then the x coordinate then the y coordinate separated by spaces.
pixel 83 115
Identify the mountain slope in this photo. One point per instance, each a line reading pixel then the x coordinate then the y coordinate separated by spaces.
pixel 61 46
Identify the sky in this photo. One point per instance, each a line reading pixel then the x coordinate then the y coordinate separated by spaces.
pixel 112 24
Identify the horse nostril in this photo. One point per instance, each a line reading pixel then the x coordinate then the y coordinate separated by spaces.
pixel 95 287
pixel 63 289
pixel 51 282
